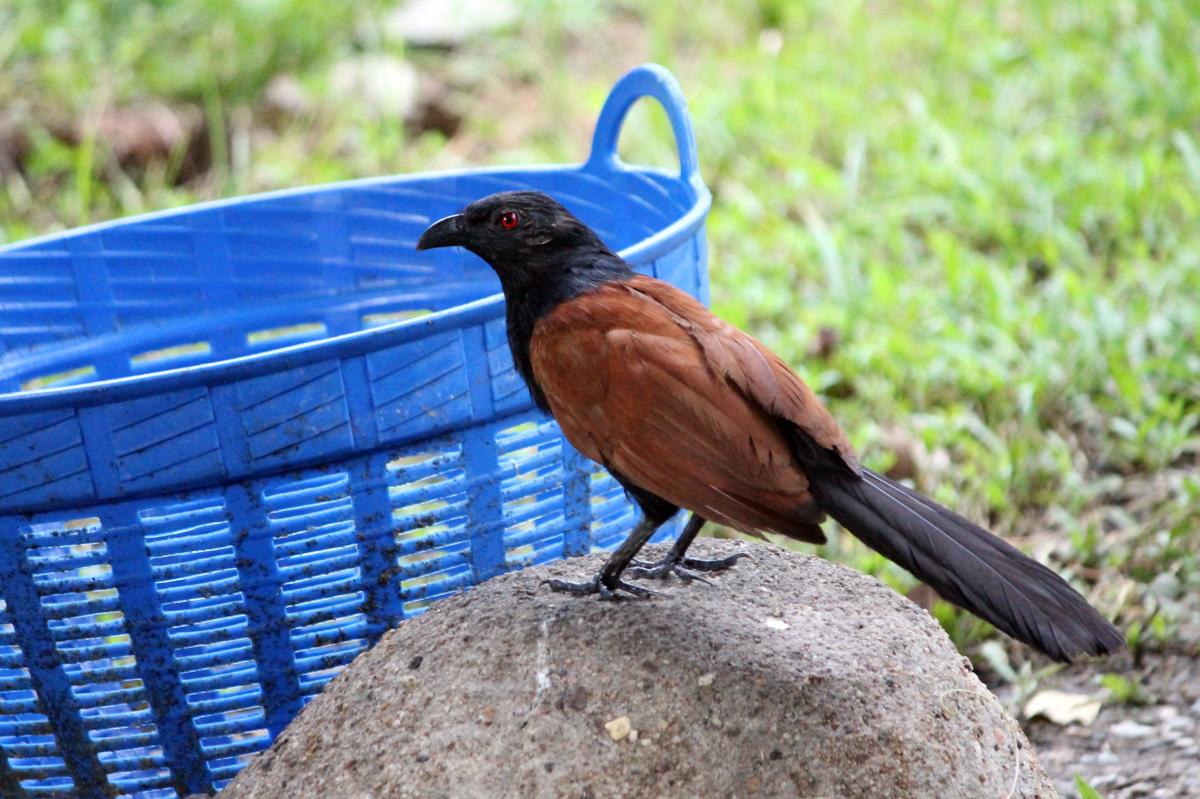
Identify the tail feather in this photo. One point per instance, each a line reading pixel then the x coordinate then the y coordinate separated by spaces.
pixel 968 565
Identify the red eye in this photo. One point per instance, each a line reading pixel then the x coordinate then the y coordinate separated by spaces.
pixel 509 220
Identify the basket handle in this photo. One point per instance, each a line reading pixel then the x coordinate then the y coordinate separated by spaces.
pixel 647 80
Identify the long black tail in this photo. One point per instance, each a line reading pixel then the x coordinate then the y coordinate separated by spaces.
pixel 967 565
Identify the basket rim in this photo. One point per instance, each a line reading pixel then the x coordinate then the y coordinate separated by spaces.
pixel 348 344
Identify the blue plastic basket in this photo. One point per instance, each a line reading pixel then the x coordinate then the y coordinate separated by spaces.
pixel 240 440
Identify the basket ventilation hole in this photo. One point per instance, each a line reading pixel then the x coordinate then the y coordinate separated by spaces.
pixel 612 516
pixel 427 490
pixel 29 747
pixel 83 608
pixel 70 377
pixel 178 352
pixel 384 318
pixel 317 550
pixel 194 562
pixel 298 332
pixel 531 488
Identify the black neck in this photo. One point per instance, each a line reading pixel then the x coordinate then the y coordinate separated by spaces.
pixel 530 294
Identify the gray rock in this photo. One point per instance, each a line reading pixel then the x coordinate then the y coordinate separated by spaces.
pixel 1131 729
pixel 1178 723
pixel 857 693
pixel 1166 586
pixel 1104 758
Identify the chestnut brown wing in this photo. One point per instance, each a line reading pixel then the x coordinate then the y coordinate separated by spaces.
pixel 759 373
pixel 636 389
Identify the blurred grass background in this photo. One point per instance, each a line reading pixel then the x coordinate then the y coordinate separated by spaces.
pixel 972 226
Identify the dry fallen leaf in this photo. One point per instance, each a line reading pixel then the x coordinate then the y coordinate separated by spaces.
pixel 1063 708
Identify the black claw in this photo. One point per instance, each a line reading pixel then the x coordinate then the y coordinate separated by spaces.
pixel 659 571
pixel 685 569
pixel 716 565
pixel 598 587
pixel 568 587
pixel 689 576
pixel 636 590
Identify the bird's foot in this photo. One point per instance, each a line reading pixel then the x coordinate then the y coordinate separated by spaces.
pixel 686 569
pixel 610 590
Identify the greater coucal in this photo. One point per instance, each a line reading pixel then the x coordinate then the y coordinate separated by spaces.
pixel 687 411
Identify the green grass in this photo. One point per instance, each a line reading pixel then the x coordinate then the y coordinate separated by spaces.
pixel 993 205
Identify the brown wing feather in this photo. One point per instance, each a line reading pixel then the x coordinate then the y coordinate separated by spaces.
pixel 650 388
pixel 757 371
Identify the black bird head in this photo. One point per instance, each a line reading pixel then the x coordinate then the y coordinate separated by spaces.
pixel 543 255
pixel 522 234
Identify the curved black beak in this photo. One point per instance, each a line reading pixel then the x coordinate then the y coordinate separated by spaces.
pixel 446 232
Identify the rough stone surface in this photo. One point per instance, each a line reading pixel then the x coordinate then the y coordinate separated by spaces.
pixel 824 683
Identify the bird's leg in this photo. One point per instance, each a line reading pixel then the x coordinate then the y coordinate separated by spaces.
pixel 676 563
pixel 608 582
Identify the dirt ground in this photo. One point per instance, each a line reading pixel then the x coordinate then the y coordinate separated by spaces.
pixel 1130 751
